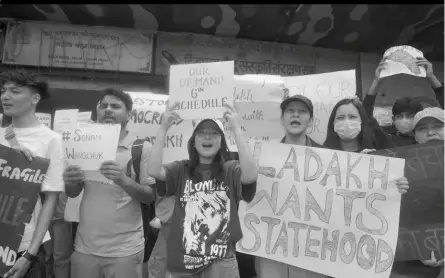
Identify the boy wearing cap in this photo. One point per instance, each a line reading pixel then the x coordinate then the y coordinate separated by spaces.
pixel 20 94
pixel 296 116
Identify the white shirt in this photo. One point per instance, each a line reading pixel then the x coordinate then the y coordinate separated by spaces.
pixel 43 142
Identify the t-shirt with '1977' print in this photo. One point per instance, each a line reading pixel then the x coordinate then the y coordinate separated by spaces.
pixel 205 223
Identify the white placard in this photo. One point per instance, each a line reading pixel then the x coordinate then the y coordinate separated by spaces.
pixel 202 89
pixel 88 145
pixel 331 212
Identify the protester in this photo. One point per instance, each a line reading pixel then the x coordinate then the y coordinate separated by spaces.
pixel 207 188
pixel 428 126
pixel 110 239
pixel 350 129
pixel 21 92
pixel 297 114
pixel 404 108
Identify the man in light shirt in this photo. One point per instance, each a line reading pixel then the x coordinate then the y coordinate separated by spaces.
pixel 20 94
pixel 110 237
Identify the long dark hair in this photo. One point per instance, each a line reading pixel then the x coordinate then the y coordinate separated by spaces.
pixel 366 138
pixel 218 161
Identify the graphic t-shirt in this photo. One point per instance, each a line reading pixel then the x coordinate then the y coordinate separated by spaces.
pixel 205 224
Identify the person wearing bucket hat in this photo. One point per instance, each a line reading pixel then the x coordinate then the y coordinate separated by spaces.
pixel 207 187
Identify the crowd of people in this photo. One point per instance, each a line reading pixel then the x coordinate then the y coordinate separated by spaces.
pixel 140 218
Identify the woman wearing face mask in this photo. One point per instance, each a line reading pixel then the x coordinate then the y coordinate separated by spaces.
pixel 351 130
pixel 207 189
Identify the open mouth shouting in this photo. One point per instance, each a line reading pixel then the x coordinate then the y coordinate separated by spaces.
pixel 207 145
pixel 295 123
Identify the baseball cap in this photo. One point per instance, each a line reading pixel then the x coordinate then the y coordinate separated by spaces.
pixel 300 98
pixel 430 112
pixel 198 123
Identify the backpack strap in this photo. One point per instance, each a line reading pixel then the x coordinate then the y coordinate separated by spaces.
pixel 148 211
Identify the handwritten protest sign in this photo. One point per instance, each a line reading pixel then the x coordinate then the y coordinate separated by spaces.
pixel 44 118
pixel 88 145
pixel 20 184
pixel 402 59
pixel 84 117
pixel 202 89
pixel 146 119
pixel 324 90
pixel 261 95
pixel 258 88
pixel 327 211
pixel 65 120
pixel 422 210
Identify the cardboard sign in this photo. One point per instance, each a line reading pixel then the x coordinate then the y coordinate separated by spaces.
pixel 44 118
pixel 422 210
pixel 20 185
pixel 318 209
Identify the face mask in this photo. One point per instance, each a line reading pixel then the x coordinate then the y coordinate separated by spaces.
pixel 347 130
pixel 404 125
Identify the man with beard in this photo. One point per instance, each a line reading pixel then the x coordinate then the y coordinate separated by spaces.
pixel 110 237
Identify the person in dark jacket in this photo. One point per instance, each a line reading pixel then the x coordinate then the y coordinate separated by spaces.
pixel 405 108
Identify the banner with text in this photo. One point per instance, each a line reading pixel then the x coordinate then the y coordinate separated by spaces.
pixel 146 118
pixel 201 89
pixel 257 101
pixel 327 211
pixel 20 187
pixel 422 212
pixel 88 145
pixel 251 57
pixel 72 46
pixel 324 90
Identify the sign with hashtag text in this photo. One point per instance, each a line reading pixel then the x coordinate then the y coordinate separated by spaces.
pixel 88 145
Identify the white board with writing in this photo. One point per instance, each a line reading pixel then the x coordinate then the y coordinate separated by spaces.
pixel 88 145
pixel 324 90
pixel 65 119
pixel 202 89
pixel 318 209
pixel 146 119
